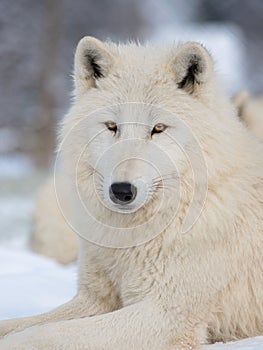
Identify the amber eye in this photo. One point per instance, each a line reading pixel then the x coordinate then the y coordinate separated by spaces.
pixel 158 128
pixel 112 126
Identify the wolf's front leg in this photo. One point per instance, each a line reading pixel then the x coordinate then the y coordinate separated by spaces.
pixel 86 303
pixel 144 326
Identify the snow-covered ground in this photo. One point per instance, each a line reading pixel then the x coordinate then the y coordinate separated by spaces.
pixel 31 284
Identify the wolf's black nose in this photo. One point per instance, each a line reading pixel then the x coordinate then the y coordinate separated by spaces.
pixel 122 192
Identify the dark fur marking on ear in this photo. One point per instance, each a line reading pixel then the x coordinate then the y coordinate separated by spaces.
pixel 240 111
pixel 97 73
pixel 190 77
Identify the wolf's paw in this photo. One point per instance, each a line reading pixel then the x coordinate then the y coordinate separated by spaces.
pixel 44 337
pixel 30 339
pixel 9 326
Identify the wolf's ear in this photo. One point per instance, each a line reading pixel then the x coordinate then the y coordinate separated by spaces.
pixel 192 66
pixel 93 61
pixel 240 100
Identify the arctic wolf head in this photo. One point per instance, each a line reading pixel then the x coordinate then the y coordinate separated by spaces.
pixel 144 124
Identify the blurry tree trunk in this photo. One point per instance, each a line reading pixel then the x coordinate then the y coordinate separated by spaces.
pixel 49 54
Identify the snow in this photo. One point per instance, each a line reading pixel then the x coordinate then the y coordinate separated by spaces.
pixel 246 344
pixel 32 284
pixel 18 183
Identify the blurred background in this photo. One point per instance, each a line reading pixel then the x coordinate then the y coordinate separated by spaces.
pixel 37 43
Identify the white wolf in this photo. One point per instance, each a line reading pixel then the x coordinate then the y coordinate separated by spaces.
pixel 166 194
pixel 52 235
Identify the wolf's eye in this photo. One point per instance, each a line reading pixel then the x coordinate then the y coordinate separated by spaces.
pixel 112 126
pixel 158 128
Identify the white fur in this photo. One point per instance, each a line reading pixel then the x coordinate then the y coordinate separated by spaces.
pixel 52 236
pixel 177 290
